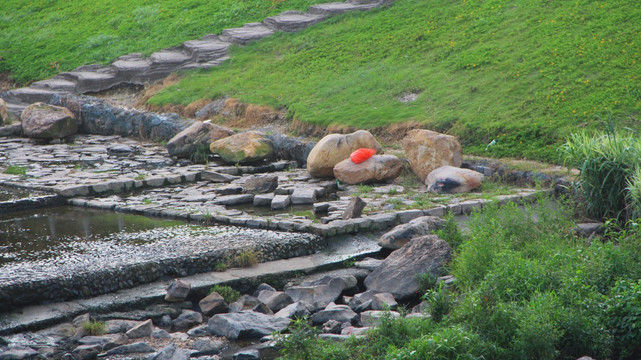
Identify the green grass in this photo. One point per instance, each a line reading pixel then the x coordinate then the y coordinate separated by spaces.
pixel 94 328
pixel 523 73
pixel 15 170
pixel 43 37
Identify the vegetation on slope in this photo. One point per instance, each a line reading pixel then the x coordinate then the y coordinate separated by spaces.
pixel 43 37
pixel 525 289
pixel 522 73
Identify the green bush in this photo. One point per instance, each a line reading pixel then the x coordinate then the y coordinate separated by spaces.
pixel 624 318
pixel 228 293
pixel 94 328
pixel 451 232
pixel 439 301
pixel 609 165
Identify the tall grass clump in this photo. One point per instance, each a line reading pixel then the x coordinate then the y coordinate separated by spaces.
pixel 609 163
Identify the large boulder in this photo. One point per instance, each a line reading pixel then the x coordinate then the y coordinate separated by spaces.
pixel 378 168
pixel 291 148
pixel 451 180
pixel 195 138
pixel 428 150
pixel 335 148
pixel 4 115
pixel 243 148
pixel 43 121
pixel 317 295
pixel 246 325
pixel 402 234
pixel 399 273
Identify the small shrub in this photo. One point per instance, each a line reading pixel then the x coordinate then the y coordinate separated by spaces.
pixel 228 293
pixel 15 170
pixel 201 154
pixel 247 258
pixel 426 282
pixel 624 316
pixel 94 328
pixel 363 189
pixel 450 232
pixel 221 266
pixel 140 176
pixel 301 343
pixel 440 302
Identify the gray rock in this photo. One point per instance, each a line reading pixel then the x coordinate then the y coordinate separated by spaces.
pixel 302 196
pixel 116 340
pixel 248 354
pixel 372 318
pixel 355 331
pixel 213 304
pixel 362 302
pixel 171 352
pixel 354 208
pixel 260 184
pixel 160 334
pixel 228 190
pixel 86 352
pixel 384 301
pixel 263 199
pixel 587 229
pixel 196 138
pixel 317 295
pixel 93 340
pixel 43 121
pixel 368 264
pixel 212 109
pixel 234 199
pixel 207 347
pixel 246 325
pixel 275 300
pixel 11 130
pixel 198 331
pixel 292 21
pixel 248 33
pixel 139 347
pixel 348 276
pixel 289 148
pixel 340 313
pixel 177 291
pixel 143 329
pixel 451 180
pixel 401 234
pixel 398 273
pixel 263 309
pixel 299 309
pixel 21 353
pixel 216 177
pixel 332 327
pixel 280 202
pixel 187 320
pixel 262 287
pixel 246 302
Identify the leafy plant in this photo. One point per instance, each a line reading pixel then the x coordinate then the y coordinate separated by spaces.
pixel 302 341
pixel 451 232
pixel 147 201
pixel 228 293
pixel 221 266
pixel 624 316
pixel 140 176
pixel 426 282
pixel 94 328
pixel 439 301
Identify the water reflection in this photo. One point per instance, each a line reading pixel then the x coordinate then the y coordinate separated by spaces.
pixel 44 233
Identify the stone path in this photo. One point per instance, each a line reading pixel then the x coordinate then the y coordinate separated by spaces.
pixel 209 51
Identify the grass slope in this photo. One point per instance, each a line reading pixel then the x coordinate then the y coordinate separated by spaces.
pixel 43 37
pixel 523 73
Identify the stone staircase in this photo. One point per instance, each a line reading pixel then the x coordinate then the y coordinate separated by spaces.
pixel 208 51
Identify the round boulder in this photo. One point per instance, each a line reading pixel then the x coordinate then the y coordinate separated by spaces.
pixel 428 150
pixel 197 136
pixel 335 148
pixel 243 148
pixel 43 121
pixel 378 168
pixel 451 180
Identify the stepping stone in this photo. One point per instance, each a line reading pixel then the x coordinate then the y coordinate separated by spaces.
pixel 166 61
pixel 248 33
pixel 206 50
pixel 280 202
pixel 304 196
pixel 132 67
pixel 55 84
pixel 335 8
pixel 88 81
pixel 28 95
pixel 291 21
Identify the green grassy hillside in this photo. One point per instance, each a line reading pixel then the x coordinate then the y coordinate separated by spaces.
pixel 523 73
pixel 43 37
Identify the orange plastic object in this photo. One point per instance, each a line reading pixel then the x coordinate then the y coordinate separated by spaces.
pixel 361 155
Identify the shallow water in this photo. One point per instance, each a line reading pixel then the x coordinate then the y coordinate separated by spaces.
pixel 44 233
pixel 10 194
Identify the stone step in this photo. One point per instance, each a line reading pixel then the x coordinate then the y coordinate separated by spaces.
pixel 89 81
pixel 338 8
pixel 246 34
pixel 166 61
pixel 292 21
pixel 28 95
pixel 132 67
pixel 203 65
pixel 55 84
pixel 206 50
pixel 15 110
